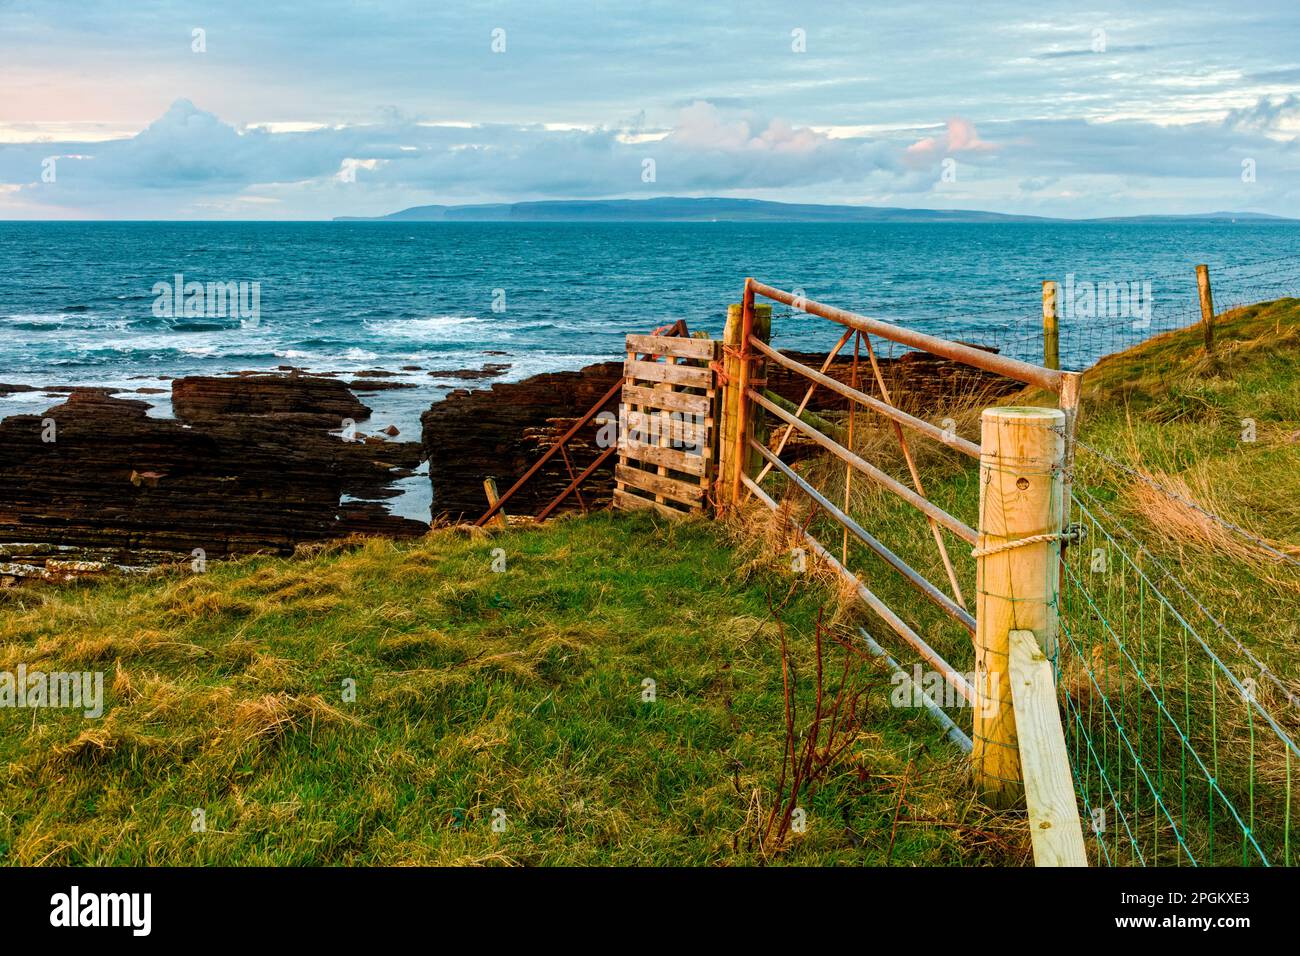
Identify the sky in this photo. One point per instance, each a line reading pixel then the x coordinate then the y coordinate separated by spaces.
pixel 153 109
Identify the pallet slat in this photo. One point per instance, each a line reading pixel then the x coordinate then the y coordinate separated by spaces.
pixel 684 492
pixel 631 502
pixel 668 401
pixel 668 457
pixel 671 345
pixel 654 425
pixel 688 375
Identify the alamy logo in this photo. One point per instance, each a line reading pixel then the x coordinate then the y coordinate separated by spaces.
pixel 1084 299
pixel 75 908
pixel 82 691
pixel 912 690
pixel 179 299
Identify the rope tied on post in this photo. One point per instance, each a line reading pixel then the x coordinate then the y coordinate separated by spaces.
pixel 1071 535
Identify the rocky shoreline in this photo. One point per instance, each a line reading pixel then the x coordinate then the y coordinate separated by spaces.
pixel 268 461
pixel 257 462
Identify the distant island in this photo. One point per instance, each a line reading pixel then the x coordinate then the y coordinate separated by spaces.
pixel 681 209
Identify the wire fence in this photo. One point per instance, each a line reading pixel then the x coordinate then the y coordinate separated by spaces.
pixel 1181 735
pixel 1177 756
pixel 1098 317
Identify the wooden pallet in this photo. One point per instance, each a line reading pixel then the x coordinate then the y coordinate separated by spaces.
pixel 667 434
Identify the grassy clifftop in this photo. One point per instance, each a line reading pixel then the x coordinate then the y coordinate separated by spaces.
pixel 517 693
pixel 476 689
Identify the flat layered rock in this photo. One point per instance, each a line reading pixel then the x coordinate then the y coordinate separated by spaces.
pixel 249 464
pixel 200 398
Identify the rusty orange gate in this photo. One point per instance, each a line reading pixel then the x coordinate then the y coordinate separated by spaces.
pixel 1004 549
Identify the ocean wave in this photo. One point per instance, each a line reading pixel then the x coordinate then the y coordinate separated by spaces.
pixel 35 320
pixel 430 327
pixel 187 326
pixel 63 322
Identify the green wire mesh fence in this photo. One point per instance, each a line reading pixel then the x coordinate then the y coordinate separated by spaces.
pixel 1177 759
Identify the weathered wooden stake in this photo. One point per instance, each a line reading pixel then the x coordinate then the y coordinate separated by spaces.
pixel 728 443
pixel 1051 330
pixel 490 489
pixel 733 445
pixel 1022 453
pixel 1207 305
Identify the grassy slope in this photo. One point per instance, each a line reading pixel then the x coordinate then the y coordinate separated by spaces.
pixel 475 690
pixel 522 690
pixel 1170 413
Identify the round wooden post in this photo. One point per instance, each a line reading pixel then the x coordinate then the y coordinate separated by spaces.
pixel 1207 305
pixel 1022 454
pixel 1051 328
pixel 740 420
pixel 756 420
pixel 729 424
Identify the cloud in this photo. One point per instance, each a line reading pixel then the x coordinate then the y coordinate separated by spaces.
pixel 191 152
pixel 960 136
pixel 1264 115
pixel 191 163
pixel 1110 50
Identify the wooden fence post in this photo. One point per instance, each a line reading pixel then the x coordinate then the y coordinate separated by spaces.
pixel 1051 328
pixel 1207 305
pixel 490 489
pixel 731 443
pixel 1022 451
pixel 728 446
pixel 756 424
pixel 1054 826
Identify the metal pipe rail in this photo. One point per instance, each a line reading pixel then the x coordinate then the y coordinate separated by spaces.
pixel 609 396
pixel 1026 372
pixel 955 525
pixel 876 405
pixel 955 733
pixel 881 609
pixel 945 603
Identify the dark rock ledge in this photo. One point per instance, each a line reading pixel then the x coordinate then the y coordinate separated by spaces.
pixel 250 463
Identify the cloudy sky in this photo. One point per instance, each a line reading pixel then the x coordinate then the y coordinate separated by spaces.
pixel 293 110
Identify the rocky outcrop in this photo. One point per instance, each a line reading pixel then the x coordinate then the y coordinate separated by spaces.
pixel 250 463
pixel 309 399
pixel 490 370
pixel 501 431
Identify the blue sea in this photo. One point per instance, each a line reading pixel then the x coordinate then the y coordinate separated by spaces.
pixel 79 303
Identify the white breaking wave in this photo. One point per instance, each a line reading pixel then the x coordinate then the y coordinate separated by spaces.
pixel 435 327
pixel 37 319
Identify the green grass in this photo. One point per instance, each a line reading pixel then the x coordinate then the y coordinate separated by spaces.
pixel 475 690
pixel 522 690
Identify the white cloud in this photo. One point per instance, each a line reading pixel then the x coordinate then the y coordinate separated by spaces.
pixel 191 162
